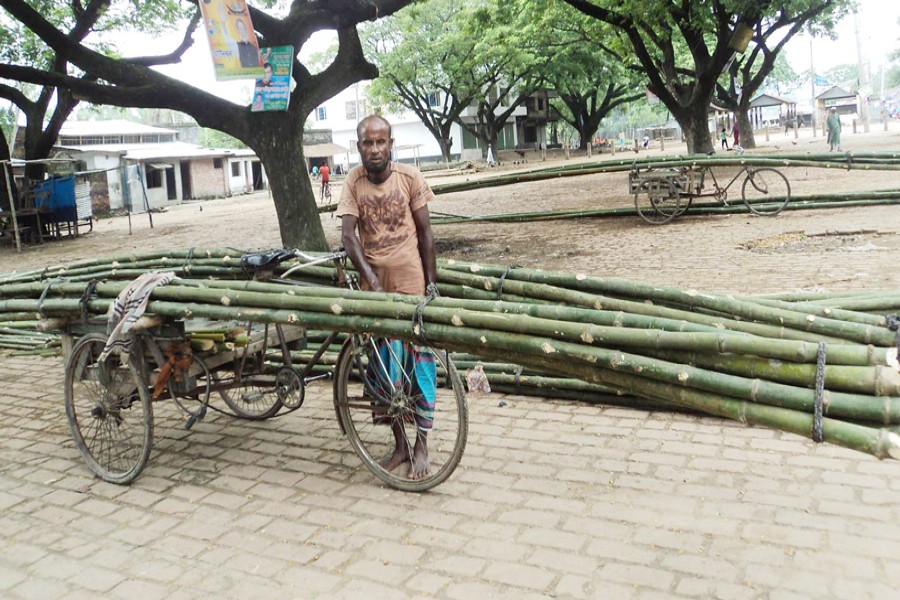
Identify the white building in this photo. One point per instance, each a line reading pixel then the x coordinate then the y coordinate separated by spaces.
pixel 146 168
pixel 412 140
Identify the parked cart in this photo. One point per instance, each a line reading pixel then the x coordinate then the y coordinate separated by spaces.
pixel 661 194
pixel 109 401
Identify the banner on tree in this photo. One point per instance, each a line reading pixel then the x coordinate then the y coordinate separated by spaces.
pixel 232 41
pixel 273 91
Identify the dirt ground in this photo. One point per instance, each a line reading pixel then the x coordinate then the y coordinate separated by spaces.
pixel 845 248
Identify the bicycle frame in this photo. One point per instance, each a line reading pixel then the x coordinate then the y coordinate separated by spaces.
pixel 338 258
pixel 717 188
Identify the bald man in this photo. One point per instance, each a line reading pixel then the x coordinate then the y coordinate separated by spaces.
pixel 387 234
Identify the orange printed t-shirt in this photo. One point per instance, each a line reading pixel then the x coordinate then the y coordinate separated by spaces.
pixel 386 227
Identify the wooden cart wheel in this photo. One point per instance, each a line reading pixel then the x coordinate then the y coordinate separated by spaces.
pixel 657 200
pixel 109 411
pixel 376 399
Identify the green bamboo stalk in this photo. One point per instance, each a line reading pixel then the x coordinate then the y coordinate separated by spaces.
pixel 881 443
pixel 823 310
pixel 591 300
pixel 815 201
pixel 813 296
pixel 861 407
pixel 400 306
pixel 690 299
pixel 58 270
pixel 613 166
pixel 873 381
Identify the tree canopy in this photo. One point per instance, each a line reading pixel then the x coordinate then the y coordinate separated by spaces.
pixel 423 56
pixel 684 47
pixel 588 79
pixel 276 137
pixel 44 106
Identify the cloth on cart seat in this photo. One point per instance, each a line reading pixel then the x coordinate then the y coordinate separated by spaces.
pixel 125 311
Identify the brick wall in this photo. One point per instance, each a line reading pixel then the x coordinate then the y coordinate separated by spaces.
pixel 206 180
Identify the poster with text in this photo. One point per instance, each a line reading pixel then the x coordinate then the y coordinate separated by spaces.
pixel 273 91
pixel 232 41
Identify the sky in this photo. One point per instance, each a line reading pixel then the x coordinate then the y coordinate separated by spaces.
pixel 878 25
pixel 879 34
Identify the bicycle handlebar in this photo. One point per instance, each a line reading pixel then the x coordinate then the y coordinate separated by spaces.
pixel 313 259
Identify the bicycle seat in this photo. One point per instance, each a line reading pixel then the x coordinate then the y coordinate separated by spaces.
pixel 261 261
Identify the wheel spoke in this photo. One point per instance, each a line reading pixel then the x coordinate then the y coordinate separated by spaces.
pixel 109 412
pixel 377 416
pixel 766 191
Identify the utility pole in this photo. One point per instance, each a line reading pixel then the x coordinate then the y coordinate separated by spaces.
pixel 863 77
pixel 812 87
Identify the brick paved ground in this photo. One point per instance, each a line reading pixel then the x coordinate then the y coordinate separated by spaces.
pixel 551 500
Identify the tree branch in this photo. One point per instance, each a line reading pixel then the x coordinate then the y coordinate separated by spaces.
pixel 16 97
pixel 175 55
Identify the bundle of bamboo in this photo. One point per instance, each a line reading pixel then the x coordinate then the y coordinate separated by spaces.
pixel 798 202
pixel 887 161
pixel 756 360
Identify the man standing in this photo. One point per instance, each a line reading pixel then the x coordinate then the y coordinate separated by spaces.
pixel 387 234
pixel 325 173
pixel 833 123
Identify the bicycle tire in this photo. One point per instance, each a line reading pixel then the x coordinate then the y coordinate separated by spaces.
pixel 109 411
pixel 369 425
pixel 765 191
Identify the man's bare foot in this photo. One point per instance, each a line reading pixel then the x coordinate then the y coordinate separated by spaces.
pixel 419 467
pixel 399 456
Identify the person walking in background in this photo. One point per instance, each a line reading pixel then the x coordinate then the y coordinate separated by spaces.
pixel 724 137
pixel 325 174
pixel 833 124
pixel 737 135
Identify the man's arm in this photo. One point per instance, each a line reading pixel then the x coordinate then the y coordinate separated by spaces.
pixel 354 250
pixel 426 244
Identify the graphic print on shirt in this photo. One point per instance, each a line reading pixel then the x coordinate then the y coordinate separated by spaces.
pixel 384 215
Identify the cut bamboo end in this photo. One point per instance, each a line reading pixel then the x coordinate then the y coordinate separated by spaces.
pixel 891 358
pixel 893 445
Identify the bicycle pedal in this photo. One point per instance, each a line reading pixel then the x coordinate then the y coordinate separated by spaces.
pixel 193 419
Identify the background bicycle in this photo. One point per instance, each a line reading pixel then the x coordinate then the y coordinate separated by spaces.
pixel 661 194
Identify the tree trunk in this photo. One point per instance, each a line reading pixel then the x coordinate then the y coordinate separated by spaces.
pixel 588 127
pixel 583 135
pixel 695 126
pixel 295 200
pixel 445 144
pixel 745 126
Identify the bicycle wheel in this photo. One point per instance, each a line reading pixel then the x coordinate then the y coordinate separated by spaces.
pixel 765 191
pixel 252 396
pixel 657 201
pixel 109 412
pixel 380 393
